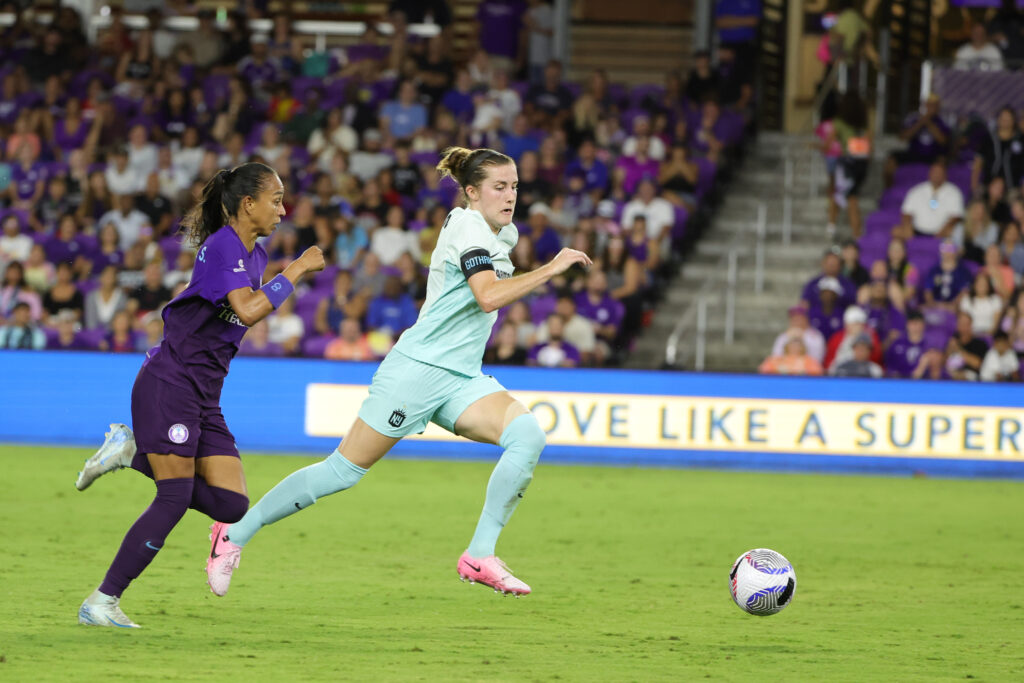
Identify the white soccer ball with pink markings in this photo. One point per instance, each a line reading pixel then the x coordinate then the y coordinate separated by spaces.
pixel 762 582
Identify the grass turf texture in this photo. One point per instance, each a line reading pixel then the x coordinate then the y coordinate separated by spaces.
pixel 898 579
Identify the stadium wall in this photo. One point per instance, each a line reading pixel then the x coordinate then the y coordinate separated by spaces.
pixel 642 418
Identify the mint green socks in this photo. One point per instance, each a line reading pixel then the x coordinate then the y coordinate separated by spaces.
pixel 523 440
pixel 297 491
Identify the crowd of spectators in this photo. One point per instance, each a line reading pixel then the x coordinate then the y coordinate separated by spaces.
pixel 931 287
pixel 106 144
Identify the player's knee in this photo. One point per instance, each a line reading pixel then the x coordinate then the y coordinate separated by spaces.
pixel 174 496
pixel 525 435
pixel 232 507
pixel 334 474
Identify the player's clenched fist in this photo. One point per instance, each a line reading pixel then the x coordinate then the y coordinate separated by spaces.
pixel 567 258
pixel 313 259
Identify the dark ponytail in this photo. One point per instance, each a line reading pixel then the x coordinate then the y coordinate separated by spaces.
pixel 221 198
pixel 469 167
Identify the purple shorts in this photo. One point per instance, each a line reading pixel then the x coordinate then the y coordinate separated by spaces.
pixel 168 419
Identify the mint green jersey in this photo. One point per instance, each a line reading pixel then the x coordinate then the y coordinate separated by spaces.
pixel 452 330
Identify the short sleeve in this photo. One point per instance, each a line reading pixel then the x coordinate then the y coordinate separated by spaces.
pixel 219 269
pixel 472 238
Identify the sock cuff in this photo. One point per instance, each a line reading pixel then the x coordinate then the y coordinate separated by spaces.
pixel 339 463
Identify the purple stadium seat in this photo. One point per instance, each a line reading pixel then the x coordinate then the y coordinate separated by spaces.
pixel 215 89
pixel 642 92
pixel 302 84
pixel 314 347
pixel 92 338
pixel 892 199
pixel 706 170
pixel 881 222
pixel 618 94
pixel 909 175
pixel 923 252
pixel 682 218
pixel 873 247
pixel 936 338
pixel 939 319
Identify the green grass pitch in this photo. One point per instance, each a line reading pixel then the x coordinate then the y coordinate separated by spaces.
pixel 898 579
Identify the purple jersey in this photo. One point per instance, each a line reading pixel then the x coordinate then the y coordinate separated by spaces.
pixel 903 356
pixel 500 21
pixel 68 141
pixel 885 320
pixel 607 311
pixel 201 332
pixel 946 285
pixel 25 179
pixel 826 323
pixel 923 146
pixel 812 295
pixel 595 176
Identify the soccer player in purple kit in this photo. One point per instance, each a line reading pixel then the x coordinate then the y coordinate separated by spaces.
pixel 181 439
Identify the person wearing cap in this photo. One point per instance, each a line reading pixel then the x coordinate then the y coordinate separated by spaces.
pixel 840 344
pixel 926 135
pixel 827 315
pixel 794 360
pixel 932 208
pixel 831 267
pixel 965 352
pixel 860 363
pixel 800 328
pixel 904 354
pixel 947 279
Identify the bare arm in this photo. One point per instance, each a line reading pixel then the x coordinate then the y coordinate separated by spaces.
pixel 492 293
pixel 252 305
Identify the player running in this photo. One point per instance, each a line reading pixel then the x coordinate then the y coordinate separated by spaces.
pixel 433 375
pixel 181 440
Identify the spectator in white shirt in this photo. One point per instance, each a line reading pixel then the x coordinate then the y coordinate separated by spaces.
pixel 142 154
pixel 642 130
pixel 369 161
pixel 285 327
pixel 577 330
pixel 271 147
pixel 658 213
pixel 1001 363
pixel 931 208
pixel 800 328
pixel 121 179
pixel 187 153
pixel 390 241
pixel 506 98
pixel 14 246
pixel 335 136
pixel 128 220
pixel 983 304
pixel 979 53
pixel 173 178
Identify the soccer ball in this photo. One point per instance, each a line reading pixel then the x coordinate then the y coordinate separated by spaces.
pixel 762 582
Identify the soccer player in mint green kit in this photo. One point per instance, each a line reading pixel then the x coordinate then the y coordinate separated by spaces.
pixel 433 375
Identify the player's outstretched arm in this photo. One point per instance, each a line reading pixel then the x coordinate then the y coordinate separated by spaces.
pixel 492 293
pixel 253 305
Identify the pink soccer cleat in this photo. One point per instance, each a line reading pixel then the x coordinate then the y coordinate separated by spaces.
pixel 491 571
pixel 224 558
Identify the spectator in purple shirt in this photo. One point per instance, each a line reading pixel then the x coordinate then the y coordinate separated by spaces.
pixel 28 180
pixel 555 352
pixel 947 279
pixel 926 135
pixel 638 167
pixel 549 103
pixel 498 25
pixel 906 352
pixel 884 318
pixel 67 338
pixel 259 69
pixel 392 311
pixel 826 315
pixel 596 304
pixel 546 242
pixel 831 267
pixel 459 100
pixel 595 173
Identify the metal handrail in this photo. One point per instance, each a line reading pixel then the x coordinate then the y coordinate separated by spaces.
pixel 697 311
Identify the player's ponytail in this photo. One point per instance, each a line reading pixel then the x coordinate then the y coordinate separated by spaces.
pixel 221 198
pixel 469 167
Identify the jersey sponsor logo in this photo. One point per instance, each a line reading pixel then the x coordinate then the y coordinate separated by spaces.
pixel 178 433
pixel 240 268
pixel 228 315
pixel 502 274
pixel 397 418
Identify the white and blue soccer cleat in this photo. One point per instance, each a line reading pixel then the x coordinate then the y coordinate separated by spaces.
pixel 115 453
pixel 100 609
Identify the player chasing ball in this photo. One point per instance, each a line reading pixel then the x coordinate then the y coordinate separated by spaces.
pixel 433 375
pixel 181 439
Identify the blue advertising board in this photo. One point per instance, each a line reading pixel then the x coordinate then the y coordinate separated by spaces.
pixel 621 417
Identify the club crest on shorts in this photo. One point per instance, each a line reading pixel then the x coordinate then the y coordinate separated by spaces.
pixel 178 433
pixel 397 418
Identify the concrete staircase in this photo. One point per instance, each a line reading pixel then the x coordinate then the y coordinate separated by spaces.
pixel 760 316
pixel 632 55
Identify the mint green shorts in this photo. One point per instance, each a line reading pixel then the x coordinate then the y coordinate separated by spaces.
pixel 406 394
